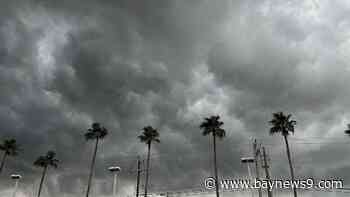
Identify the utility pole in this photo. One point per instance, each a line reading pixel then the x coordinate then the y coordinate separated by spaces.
pixel 256 160
pixel 267 173
pixel 138 176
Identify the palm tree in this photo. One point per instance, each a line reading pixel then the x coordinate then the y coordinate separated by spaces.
pixel 148 136
pixel 10 148
pixel 96 132
pixel 212 125
pixel 45 162
pixel 283 124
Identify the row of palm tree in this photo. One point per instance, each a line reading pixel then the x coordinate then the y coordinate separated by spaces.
pixel 11 148
pixel 280 123
pixel 98 132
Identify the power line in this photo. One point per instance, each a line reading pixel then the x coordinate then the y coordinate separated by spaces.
pixel 293 140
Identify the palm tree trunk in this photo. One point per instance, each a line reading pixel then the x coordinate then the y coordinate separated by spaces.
pixel 215 167
pixel 92 168
pixel 290 164
pixel 147 172
pixel 42 180
pixel 3 162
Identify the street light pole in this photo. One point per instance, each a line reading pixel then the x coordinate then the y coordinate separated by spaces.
pixel 256 149
pixel 15 177
pixel 248 160
pixel 138 176
pixel 267 173
pixel 249 172
pixel 114 170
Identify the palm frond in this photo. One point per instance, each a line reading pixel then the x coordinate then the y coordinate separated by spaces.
pixel 274 130
pixel 103 133
pixel 212 125
pixel 347 131
pixel 90 135
pixel 47 160
pixel 54 163
pixel 149 135
pixel 206 131
pixel 96 131
pixel 142 138
pixel 10 147
pixel 220 133
pixel 282 123
pixel 40 161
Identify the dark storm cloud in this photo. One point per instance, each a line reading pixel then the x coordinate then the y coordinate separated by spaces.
pixel 118 65
pixel 128 64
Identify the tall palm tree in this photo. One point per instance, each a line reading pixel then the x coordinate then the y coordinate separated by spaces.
pixel 10 148
pixel 45 162
pixel 212 125
pixel 96 132
pixel 148 136
pixel 282 123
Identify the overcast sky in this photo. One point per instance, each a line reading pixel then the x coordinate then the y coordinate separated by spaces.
pixel 170 63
